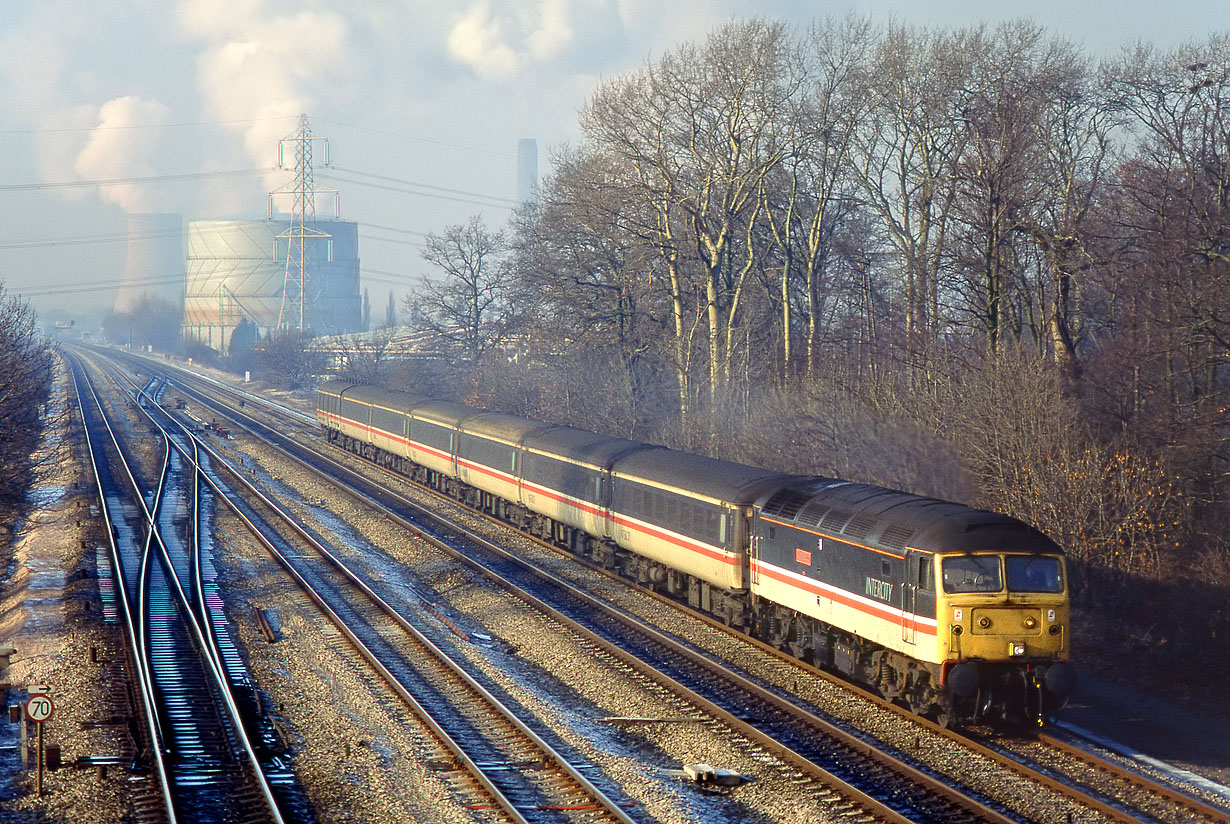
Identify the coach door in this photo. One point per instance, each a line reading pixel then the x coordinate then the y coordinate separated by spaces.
pixel 909 596
pixel 752 557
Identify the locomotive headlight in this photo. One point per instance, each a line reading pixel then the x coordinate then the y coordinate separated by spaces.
pixel 1031 622
pixel 1016 649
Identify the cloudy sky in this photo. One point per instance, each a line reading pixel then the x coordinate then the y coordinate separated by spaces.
pixel 183 102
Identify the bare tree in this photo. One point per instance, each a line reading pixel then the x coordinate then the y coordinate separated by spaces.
pixel 390 312
pixel 807 194
pixel 153 321
pixel 904 156
pixel 1166 303
pixel 468 307
pixel 589 287
pixel 687 140
pixel 727 99
pixel 630 126
pixel 26 364
pixel 1072 131
pixel 993 106
pixel 286 358
pixel 364 358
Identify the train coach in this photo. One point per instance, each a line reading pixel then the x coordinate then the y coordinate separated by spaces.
pixel 955 612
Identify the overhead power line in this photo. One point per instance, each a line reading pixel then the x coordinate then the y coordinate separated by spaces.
pixel 99 285
pixel 423 190
pixel 369 275
pixel 124 181
pixel 386 178
pixel 392 229
pixel 124 237
pixel 390 278
pixel 80 240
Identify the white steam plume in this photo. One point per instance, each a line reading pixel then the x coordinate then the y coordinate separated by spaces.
pixel 499 43
pixel 120 147
pixel 266 68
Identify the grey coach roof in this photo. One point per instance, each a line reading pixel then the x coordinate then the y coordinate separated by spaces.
pixel 709 477
pixel 572 444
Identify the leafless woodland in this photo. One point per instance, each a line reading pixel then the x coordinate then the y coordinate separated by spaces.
pixel 977 264
pixel 26 364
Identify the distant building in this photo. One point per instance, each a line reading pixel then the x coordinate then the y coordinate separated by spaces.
pixel 237 270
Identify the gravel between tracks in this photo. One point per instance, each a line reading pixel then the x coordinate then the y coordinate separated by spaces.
pixel 354 750
pixel 51 615
pixel 550 671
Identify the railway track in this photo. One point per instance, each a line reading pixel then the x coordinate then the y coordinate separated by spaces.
pixel 896 791
pixel 1120 794
pixel 513 768
pixel 1125 794
pixel 203 762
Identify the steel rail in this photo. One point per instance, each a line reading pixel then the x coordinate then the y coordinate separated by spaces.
pixel 1017 767
pixel 195 561
pixel 213 666
pixel 800 761
pixel 797 760
pixel 1189 804
pixel 599 798
pixel 1005 761
pixel 147 699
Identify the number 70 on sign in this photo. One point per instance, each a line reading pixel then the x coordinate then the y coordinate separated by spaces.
pixel 39 708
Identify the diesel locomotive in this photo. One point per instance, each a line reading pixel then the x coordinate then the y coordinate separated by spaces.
pixel 955 612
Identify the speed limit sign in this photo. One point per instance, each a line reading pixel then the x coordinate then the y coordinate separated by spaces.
pixel 39 707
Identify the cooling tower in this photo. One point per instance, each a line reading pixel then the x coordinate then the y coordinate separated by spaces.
pixel 237 269
pixel 154 264
pixel 527 170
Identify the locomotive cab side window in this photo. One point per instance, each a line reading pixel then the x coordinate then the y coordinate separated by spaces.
pixel 972 573
pixel 1034 573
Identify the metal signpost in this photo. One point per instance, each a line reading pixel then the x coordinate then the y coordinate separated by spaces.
pixel 38 709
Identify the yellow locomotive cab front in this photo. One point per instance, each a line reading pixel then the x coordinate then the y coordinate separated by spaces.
pixel 1004 625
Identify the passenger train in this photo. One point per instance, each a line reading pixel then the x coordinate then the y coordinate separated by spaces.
pixel 957 613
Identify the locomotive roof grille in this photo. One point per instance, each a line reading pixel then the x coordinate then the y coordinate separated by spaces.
pixel 860 526
pixel 896 536
pixel 786 503
pixel 836 519
pixel 813 512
